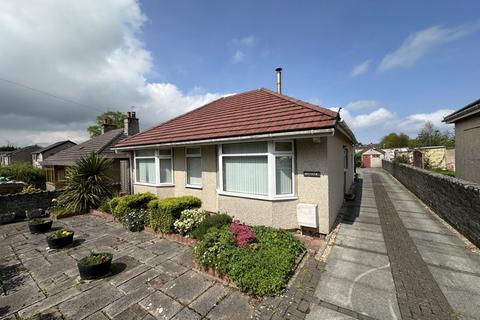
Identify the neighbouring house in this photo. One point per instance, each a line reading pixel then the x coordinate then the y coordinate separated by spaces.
pixel 389 153
pixel 372 158
pixel 467 141
pixel 41 154
pixel 21 155
pixel 57 164
pixel 263 157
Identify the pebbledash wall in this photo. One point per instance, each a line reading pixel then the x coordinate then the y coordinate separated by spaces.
pixel 13 206
pixel 456 201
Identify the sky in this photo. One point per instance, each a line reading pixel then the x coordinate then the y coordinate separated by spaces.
pixel 390 65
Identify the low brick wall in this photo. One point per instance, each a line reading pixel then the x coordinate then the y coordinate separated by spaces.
pixel 456 201
pixel 13 206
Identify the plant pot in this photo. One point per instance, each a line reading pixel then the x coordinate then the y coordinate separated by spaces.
pixel 94 271
pixel 40 227
pixel 60 242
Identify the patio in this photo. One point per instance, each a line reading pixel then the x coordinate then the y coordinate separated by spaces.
pixel 151 278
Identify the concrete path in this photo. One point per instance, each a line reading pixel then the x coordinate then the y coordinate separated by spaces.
pixel 393 259
pixel 152 278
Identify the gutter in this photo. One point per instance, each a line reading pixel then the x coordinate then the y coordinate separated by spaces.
pixel 458 115
pixel 292 134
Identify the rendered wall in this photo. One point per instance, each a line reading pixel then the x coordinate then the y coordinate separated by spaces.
pixel 467 149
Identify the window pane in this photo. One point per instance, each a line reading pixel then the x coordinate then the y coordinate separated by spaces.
pixel 283 146
pixel 193 150
pixel 165 170
pixel 251 147
pixel 146 170
pixel 194 171
pixel 283 167
pixel 145 153
pixel 245 175
pixel 164 152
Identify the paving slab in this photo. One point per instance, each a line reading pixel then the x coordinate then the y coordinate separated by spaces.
pixel 160 305
pixel 234 307
pixel 210 298
pixel 187 287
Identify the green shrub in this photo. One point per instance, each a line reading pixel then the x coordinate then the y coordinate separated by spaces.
pixel 214 221
pixel 25 172
pixel 164 212
pixel 189 219
pixel 134 220
pixel 261 268
pixel 119 206
pixel 216 249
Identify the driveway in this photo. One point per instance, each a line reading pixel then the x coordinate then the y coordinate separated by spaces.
pixel 151 278
pixel 393 259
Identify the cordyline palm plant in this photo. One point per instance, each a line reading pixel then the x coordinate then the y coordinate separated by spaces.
pixel 86 184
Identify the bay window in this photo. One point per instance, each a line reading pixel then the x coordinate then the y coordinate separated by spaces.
pixel 153 166
pixel 257 169
pixel 194 167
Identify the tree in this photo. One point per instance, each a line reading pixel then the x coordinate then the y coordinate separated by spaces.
pixel 429 135
pixel 114 117
pixel 7 147
pixel 393 140
pixel 87 184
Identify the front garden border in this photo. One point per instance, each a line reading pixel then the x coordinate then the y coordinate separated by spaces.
pixel 169 236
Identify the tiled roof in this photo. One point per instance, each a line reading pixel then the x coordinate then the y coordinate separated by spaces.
pixel 53 145
pixel 100 144
pixel 254 112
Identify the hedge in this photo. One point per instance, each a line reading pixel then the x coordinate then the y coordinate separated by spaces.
pixel 26 173
pixel 164 212
pixel 119 206
pixel 214 221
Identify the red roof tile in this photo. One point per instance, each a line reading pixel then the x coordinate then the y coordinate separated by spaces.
pixel 249 113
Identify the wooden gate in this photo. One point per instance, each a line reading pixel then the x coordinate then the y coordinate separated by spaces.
pixel 366 160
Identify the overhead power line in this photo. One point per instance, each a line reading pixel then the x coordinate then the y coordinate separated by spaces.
pixel 24 86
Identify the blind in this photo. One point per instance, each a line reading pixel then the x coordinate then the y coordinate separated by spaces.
pixel 239 148
pixel 165 170
pixel 283 168
pixel 246 174
pixel 194 171
pixel 146 170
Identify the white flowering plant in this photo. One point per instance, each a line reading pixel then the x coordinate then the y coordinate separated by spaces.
pixel 189 219
pixel 134 220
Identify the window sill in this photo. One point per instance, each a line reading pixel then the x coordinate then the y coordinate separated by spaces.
pixel 192 186
pixel 256 197
pixel 154 185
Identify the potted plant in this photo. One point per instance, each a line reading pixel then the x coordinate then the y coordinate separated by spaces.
pixel 34 213
pixel 60 238
pixel 94 265
pixel 39 225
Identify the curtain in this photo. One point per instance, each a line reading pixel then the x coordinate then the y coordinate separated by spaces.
pixel 165 170
pixel 246 174
pixel 283 168
pixel 146 170
pixel 194 171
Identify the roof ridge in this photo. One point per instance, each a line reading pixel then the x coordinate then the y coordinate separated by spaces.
pixel 188 112
pixel 305 104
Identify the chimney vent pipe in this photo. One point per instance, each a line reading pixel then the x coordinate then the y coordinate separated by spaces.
pixel 279 80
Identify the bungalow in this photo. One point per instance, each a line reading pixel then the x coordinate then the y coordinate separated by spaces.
pixel 21 155
pixel 39 155
pixel 467 141
pixel 57 164
pixel 263 157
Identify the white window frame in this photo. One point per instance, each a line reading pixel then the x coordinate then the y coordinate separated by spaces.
pixel 157 157
pixel 195 155
pixel 271 155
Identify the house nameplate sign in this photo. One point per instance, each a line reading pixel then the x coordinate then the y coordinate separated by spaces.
pixel 311 174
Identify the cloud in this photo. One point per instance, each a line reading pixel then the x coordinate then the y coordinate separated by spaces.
pixel 248 41
pixel 424 41
pixel 379 117
pixel 88 51
pixel 238 56
pixel 361 68
pixel 415 122
pixel 362 104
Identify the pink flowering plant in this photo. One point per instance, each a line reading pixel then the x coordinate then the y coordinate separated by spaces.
pixel 243 234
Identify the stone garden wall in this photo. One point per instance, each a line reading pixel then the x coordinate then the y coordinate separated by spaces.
pixel 454 200
pixel 13 206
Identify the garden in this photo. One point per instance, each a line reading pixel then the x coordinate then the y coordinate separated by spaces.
pixel 258 260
